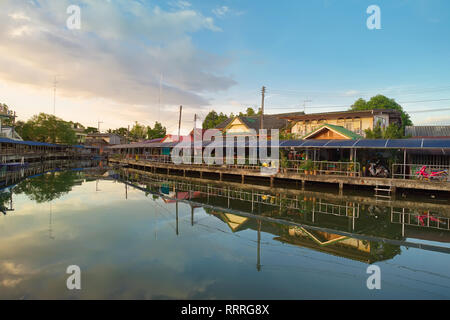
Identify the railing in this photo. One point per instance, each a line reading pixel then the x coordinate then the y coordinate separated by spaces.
pixel 424 220
pixel 324 167
pixel 413 171
pixel 306 167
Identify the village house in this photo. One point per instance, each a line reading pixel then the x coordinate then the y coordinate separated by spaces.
pixel 354 121
pixel 244 124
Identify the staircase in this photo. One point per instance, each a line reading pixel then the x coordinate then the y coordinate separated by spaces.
pixel 383 192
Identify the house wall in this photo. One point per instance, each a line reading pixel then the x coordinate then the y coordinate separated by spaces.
pixel 237 126
pixel 328 134
pixel 355 124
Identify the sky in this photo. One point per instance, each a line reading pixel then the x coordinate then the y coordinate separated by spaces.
pixel 138 60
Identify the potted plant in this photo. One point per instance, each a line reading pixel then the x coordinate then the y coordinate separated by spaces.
pixel 308 167
pixel 284 163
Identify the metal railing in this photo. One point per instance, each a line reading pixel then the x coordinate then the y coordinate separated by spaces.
pixel 307 167
pixel 324 167
pixel 413 171
pixel 424 220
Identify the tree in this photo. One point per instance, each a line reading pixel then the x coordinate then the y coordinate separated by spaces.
pixel 213 119
pixel 47 128
pixel 120 131
pixel 392 131
pixel 138 131
pixel 158 131
pixel 382 102
pixel 89 130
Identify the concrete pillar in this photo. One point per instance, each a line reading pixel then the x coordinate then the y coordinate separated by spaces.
pixel 393 190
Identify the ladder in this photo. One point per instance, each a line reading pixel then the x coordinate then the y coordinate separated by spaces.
pixel 383 192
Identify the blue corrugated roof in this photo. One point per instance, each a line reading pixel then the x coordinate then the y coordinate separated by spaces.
pixel 29 143
pixel 360 144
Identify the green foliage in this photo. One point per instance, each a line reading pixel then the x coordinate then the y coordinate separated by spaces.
pixel 158 131
pixel 90 130
pixel 213 119
pixel 138 131
pixel 382 102
pixel 392 131
pixel 120 131
pixel 46 128
pixel 48 187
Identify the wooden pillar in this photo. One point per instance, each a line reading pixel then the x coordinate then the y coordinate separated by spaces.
pixel 220 176
pixel 271 181
pixel 341 188
pixel 242 179
pixel 201 174
pixel 303 185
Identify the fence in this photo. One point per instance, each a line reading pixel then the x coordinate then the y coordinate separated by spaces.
pixel 421 172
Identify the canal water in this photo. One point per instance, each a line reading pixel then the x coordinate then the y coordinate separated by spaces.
pixel 142 236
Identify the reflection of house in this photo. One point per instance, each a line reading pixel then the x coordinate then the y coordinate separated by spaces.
pixel 342 246
pixel 245 124
pixel 355 121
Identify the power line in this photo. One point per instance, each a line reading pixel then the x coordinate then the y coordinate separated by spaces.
pixel 346 106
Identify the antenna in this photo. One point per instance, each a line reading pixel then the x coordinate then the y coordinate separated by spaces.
pixel 304 105
pixel 98 125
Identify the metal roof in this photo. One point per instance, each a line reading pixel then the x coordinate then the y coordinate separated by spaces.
pixel 29 143
pixel 422 144
pixel 428 131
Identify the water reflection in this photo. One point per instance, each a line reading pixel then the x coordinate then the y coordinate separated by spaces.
pixel 139 235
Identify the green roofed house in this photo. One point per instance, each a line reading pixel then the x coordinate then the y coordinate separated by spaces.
pixel 244 125
pixel 331 131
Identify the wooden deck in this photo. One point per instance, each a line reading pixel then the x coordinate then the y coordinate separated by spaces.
pixel 243 173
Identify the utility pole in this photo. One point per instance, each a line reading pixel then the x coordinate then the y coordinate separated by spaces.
pixel 179 123
pixel 261 118
pixel 195 121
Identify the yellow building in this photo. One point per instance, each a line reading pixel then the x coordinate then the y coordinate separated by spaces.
pixel 355 121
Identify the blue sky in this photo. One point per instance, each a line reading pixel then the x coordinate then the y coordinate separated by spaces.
pixel 217 55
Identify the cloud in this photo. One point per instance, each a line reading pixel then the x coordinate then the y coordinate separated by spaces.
pixel 221 11
pixel 224 11
pixel 119 54
pixel 351 93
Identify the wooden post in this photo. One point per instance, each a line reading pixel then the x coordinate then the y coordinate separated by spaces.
pixel 242 179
